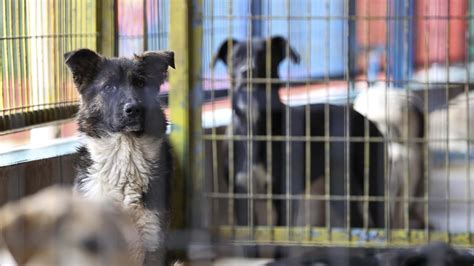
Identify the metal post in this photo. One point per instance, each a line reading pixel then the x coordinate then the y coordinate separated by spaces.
pixel 106 44
pixel 256 10
pixel 185 109
pixel 145 25
pixel 401 42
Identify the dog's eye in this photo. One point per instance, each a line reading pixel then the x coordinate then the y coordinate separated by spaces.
pixel 138 82
pixel 108 89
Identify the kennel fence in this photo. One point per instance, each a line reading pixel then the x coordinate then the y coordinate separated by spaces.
pixel 33 80
pixel 346 47
pixel 35 85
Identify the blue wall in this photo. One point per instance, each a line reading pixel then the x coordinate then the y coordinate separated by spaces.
pixel 221 21
pixel 318 30
pixel 321 42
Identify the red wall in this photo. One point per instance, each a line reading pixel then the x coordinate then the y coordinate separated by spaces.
pixel 431 35
pixel 370 27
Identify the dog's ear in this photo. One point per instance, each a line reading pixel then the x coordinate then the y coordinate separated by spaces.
pixel 279 50
pixel 153 66
pixel 156 60
pixel 19 232
pixel 223 52
pixel 84 65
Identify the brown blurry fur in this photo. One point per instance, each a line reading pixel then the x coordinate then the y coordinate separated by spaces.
pixel 53 227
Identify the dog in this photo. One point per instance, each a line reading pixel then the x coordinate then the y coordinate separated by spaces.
pixel 460 113
pixel 54 227
pixel 398 116
pixel 126 153
pixel 252 105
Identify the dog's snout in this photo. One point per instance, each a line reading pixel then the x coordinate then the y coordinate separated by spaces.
pixel 132 116
pixel 132 109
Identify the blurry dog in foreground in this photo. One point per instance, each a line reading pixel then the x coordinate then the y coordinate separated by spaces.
pixel 53 227
pixel 126 153
pixel 398 116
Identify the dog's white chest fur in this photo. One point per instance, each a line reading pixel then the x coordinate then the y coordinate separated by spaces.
pixel 121 169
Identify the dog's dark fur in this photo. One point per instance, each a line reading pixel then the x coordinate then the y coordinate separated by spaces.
pixel 126 154
pixel 252 107
pixel 437 253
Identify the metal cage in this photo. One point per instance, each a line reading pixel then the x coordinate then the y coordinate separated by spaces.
pixel 416 54
pixel 34 87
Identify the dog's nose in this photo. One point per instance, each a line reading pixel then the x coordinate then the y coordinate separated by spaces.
pixel 132 110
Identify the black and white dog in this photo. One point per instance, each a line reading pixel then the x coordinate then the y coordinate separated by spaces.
pixel 126 155
pixel 253 107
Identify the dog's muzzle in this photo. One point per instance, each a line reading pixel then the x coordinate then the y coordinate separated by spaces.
pixel 133 117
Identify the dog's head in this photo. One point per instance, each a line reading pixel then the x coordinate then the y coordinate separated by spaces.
pixel 53 227
pixel 251 63
pixel 259 57
pixel 118 94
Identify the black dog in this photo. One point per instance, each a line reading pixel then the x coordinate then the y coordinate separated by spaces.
pixel 126 154
pixel 252 107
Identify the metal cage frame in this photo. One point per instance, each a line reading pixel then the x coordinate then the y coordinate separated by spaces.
pixel 191 151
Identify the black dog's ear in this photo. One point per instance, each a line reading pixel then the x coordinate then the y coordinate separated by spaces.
pixel 222 53
pixel 84 65
pixel 156 60
pixel 153 66
pixel 279 47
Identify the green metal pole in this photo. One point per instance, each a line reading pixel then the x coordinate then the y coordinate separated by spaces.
pixel 106 27
pixel 185 35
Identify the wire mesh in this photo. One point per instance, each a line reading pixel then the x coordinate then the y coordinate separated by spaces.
pixel 157 24
pixel 131 25
pixel 414 54
pixel 142 25
pixel 35 85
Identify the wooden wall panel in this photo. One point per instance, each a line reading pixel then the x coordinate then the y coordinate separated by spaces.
pixel 20 180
